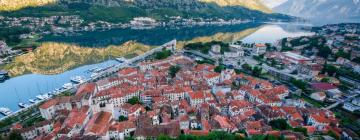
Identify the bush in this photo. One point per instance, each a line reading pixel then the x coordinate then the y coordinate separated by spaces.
pixel 280 124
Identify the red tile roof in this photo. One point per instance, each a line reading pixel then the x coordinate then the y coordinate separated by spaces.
pixel 323 86
pixel 99 124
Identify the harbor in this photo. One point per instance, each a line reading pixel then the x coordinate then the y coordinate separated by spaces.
pixel 28 90
pixel 109 67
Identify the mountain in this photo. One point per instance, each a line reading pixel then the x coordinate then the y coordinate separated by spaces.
pixel 11 5
pixel 323 9
pixel 125 10
pixel 251 4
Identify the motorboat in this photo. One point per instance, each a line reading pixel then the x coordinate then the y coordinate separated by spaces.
pixel 22 105
pixel 78 79
pixel 32 101
pixel 40 97
pixel 5 111
pixel 68 86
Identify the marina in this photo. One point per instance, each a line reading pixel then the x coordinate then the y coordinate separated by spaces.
pixel 32 89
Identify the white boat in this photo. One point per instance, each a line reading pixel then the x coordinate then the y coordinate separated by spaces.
pixel 32 101
pixel 46 96
pixel 77 79
pixel 40 97
pixel 68 86
pixel 5 111
pixel 93 69
pixel 22 105
pixel 93 75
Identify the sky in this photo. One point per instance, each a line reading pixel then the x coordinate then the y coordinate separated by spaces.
pixel 273 3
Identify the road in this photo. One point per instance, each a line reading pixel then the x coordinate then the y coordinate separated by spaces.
pixel 340 102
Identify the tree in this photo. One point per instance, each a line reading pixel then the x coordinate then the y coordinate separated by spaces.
pixel 122 118
pixel 324 51
pixel 356 60
pixel 134 100
pixel 299 83
pixel 173 70
pixel 219 68
pixel 301 129
pixel 15 135
pixel 163 54
pixel 280 124
pixel 329 69
pixel 246 66
pixel 256 71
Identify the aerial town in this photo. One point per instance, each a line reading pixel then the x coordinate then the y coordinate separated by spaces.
pixel 291 90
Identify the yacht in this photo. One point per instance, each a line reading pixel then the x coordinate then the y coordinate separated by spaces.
pixel 77 79
pixel 40 97
pixel 22 105
pixel 5 111
pixel 32 101
pixel 93 75
pixel 68 86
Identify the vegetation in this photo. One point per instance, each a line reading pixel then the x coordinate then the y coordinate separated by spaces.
pixel 206 47
pixel 11 35
pixel 356 60
pixel 173 70
pixel 218 135
pixel 299 83
pixel 134 100
pixel 15 135
pixel 124 11
pixel 280 124
pixel 219 68
pixel 122 118
pixel 163 54
pixel 301 129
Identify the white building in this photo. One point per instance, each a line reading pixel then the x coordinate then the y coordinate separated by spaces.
pixel 259 49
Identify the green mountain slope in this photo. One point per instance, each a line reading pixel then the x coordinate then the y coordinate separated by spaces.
pixel 124 11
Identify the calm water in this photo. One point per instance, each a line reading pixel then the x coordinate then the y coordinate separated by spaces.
pixel 23 88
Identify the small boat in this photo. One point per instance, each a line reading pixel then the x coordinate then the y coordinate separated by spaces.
pixel 46 96
pixel 22 105
pixel 77 79
pixel 5 111
pixel 40 97
pixel 93 69
pixel 32 101
pixel 68 86
pixel 93 75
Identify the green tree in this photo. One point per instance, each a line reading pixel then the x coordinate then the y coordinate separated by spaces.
pixel 299 83
pixel 163 137
pixel 15 135
pixel 329 69
pixel 356 60
pixel 134 100
pixel 280 124
pixel 173 70
pixel 256 71
pixel 324 51
pixel 219 68
pixel 122 118
pixel 163 54
pixel 246 66
pixel 301 129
